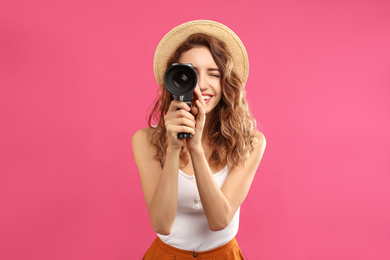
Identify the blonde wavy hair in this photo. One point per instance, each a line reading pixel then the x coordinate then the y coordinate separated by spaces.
pixel 231 126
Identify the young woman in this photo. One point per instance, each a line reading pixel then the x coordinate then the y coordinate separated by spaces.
pixel 194 187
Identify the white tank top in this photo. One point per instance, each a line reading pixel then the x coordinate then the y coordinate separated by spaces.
pixel 190 229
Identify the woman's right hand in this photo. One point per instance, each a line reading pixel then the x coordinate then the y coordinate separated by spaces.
pixel 178 119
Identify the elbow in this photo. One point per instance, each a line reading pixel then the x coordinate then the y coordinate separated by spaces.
pixel 218 226
pixel 162 225
pixel 165 231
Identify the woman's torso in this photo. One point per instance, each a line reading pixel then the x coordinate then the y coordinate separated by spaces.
pixel 190 229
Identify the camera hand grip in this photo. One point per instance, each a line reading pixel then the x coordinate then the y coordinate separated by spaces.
pixel 185 135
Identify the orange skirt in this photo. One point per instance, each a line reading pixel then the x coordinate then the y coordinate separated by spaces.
pixel 161 251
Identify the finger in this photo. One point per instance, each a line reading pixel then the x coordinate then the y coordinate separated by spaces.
pixel 183 114
pixel 182 121
pixel 179 117
pixel 179 105
pixel 175 105
pixel 171 121
pixel 202 111
pixel 200 97
pixel 183 129
pixel 198 93
pixel 194 110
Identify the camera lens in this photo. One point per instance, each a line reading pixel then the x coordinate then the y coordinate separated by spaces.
pixel 181 80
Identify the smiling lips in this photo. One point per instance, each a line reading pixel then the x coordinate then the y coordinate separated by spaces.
pixel 207 97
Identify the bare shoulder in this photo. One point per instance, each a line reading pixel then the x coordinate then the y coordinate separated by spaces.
pixel 143 149
pixel 259 141
pixel 143 136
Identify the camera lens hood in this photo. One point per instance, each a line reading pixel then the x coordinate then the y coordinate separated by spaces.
pixel 180 79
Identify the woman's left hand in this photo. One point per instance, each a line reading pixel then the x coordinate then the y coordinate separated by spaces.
pixel 199 111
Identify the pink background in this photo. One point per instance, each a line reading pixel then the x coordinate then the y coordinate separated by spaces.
pixel 77 81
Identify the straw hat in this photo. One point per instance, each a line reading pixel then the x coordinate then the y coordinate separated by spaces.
pixel 171 41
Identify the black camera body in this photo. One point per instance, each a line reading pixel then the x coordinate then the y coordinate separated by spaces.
pixel 180 80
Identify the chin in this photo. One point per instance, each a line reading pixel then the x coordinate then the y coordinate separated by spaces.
pixel 210 107
pixel 209 110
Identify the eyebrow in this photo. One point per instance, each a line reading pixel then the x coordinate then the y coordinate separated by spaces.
pixel 209 69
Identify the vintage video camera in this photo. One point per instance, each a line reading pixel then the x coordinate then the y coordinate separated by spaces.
pixel 180 80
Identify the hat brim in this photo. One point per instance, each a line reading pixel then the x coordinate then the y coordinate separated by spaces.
pixel 172 40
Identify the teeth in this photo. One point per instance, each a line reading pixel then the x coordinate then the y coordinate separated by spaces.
pixel 206 97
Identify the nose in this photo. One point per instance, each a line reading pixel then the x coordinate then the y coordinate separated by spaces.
pixel 202 82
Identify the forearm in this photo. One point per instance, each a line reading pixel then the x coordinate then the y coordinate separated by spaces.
pixel 162 210
pixel 215 204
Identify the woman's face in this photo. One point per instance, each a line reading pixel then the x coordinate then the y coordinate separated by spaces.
pixel 208 74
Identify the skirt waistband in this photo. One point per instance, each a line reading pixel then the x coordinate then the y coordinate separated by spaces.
pixel 184 253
